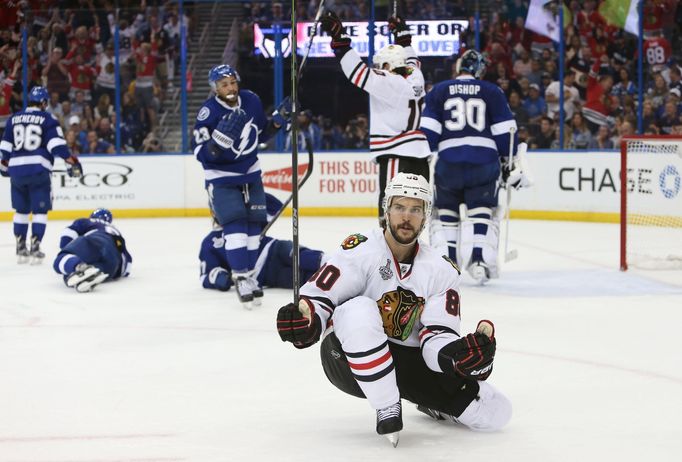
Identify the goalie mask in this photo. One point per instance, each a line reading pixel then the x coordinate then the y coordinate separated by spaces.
pixel 471 62
pixel 393 55
pixel 412 186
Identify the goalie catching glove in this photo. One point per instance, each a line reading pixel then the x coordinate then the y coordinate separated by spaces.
pixel 401 31
pixel 518 176
pixel 228 130
pixel 298 324
pixel 332 25
pixel 471 356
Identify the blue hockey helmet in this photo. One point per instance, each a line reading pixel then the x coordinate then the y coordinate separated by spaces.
pixel 103 215
pixel 471 62
pixel 220 72
pixel 38 95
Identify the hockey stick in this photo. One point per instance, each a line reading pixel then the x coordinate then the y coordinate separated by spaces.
pixel 313 34
pixel 306 175
pixel 509 255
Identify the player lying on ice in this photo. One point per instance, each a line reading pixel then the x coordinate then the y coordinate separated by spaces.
pixel 92 251
pixel 391 307
pixel 273 266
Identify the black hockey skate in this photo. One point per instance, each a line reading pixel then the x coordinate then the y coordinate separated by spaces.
pixel 85 277
pixel 244 289
pixel 436 415
pixel 390 422
pixel 22 252
pixel 257 291
pixel 37 256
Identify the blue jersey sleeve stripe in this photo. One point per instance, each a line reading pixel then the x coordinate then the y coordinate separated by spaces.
pixel 5 146
pixel 431 124
pixel 502 128
pixel 54 142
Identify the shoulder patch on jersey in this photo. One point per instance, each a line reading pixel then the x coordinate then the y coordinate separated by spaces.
pixel 353 241
pixel 204 113
pixel 399 311
pixel 379 72
pixel 451 261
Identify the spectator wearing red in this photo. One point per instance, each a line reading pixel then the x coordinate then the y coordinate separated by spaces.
pixel 81 44
pixel 82 77
pixel 145 60
pixel 6 95
pixel 597 106
pixel 57 74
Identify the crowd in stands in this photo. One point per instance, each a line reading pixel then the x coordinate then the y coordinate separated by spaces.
pixel 600 78
pixel 71 51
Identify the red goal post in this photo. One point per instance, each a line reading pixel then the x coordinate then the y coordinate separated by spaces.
pixel 651 202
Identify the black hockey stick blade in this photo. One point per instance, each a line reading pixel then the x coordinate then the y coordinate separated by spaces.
pixel 301 182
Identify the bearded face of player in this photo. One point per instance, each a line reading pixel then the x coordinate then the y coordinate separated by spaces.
pixel 227 90
pixel 405 219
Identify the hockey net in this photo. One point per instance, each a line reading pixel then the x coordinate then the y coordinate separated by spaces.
pixel 651 203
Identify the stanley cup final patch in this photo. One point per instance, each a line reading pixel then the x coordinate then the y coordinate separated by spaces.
pixel 385 271
pixel 353 241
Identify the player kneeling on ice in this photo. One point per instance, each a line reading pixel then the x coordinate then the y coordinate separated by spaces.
pixel 394 307
pixel 273 266
pixel 92 251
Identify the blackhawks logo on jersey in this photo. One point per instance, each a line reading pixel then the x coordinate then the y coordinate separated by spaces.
pixel 353 241
pixel 399 310
pixel 452 262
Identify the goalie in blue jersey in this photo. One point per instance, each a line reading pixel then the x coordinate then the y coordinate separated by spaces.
pixel 469 123
pixel 228 129
pixel 92 251
pixel 274 263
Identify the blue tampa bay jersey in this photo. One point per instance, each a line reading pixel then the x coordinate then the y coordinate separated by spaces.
pixel 239 164
pixel 468 120
pixel 87 226
pixel 31 140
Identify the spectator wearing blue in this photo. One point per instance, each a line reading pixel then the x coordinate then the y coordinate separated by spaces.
pixel 307 130
pixel 535 104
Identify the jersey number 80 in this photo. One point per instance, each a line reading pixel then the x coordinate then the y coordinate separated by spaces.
pixel 465 112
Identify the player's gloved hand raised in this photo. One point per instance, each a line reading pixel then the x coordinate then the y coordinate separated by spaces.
pixel 332 25
pixel 73 167
pixel 4 168
pixel 299 324
pixel 472 356
pixel 282 115
pixel 401 31
pixel 228 130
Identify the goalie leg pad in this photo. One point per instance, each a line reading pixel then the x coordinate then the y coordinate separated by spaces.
pixel 486 238
pixel 489 412
pixel 444 232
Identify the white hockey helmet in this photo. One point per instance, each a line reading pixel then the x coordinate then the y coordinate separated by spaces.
pixel 409 185
pixel 393 55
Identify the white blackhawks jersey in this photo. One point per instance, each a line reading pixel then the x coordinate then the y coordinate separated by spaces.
pixel 395 104
pixel 418 303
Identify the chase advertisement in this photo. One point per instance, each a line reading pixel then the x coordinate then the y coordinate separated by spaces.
pixel 429 38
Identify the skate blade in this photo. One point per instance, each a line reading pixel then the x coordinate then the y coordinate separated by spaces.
pixel 257 301
pixel 76 279
pixel 37 260
pixel 22 260
pixel 87 286
pixel 247 305
pixel 394 438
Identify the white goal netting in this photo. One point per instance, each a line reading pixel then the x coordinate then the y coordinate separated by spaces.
pixel 652 200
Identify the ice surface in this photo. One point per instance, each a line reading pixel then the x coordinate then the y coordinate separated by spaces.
pixel 156 369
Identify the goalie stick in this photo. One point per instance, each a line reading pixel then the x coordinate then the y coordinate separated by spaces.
pixel 306 175
pixel 509 255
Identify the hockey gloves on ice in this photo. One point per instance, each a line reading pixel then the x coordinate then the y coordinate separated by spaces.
pixel 471 356
pixel 401 31
pixel 4 168
pixel 73 167
pixel 332 25
pixel 228 130
pixel 298 324
pixel 282 115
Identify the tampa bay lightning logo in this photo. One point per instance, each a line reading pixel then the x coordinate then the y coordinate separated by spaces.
pixel 203 113
pixel 669 181
pixel 248 139
pixel 218 242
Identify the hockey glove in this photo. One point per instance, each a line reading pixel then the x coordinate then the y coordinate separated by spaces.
pixel 228 130
pixel 4 168
pixel 332 25
pixel 401 31
pixel 73 167
pixel 518 176
pixel 282 115
pixel 471 356
pixel 299 324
